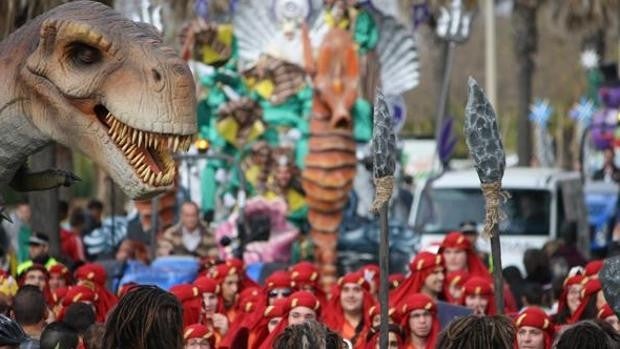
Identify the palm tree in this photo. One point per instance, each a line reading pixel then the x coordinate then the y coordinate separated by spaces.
pixel 587 20
pixel 525 33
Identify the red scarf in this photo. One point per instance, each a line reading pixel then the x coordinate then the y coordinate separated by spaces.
pixel 590 289
pixel 537 318
pixel 421 267
pixel 420 301
pixel 334 317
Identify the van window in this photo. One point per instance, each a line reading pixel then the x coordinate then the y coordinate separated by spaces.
pixel 443 210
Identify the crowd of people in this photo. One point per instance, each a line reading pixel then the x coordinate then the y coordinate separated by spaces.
pixel 447 300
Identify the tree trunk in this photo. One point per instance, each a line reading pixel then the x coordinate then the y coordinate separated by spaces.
pixel 44 204
pixel 64 161
pixel 596 42
pixel 525 45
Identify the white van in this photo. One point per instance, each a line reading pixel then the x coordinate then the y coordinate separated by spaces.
pixel 541 201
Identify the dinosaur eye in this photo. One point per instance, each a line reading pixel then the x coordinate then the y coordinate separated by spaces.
pixel 82 54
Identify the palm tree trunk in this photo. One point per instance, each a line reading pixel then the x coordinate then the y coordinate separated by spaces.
pixel 44 204
pixel 525 46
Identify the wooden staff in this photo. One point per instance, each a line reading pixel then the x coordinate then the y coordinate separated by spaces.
pixel 486 149
pixel 384 165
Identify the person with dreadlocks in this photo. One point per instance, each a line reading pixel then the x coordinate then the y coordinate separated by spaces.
pixel 607 314
pixel 535 330
pixel 94 276
pixel 59 276
pixel 420 321
pixel 146 318
pixel 305 276
pixel 300 307
pixel 198 336
pixel 191 300
pixel 211 314
pixel 592 299
pixel 309 335
pixel 478 296
pixel 125 288
pixel 478 332
pixel 427 276
pixel 348 308
pixel 570 298
pixel 589 334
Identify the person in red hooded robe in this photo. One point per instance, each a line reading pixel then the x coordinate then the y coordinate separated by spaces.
pixel 478 296
pixel 93 275
pixel 427 276
pixel 278 285
pixel 228 278
pixel 191 301
pixel 198 336
pixel 455 280
pixel 300 307
pixel 420 321
pixel 395 280
pixel 81 294
pixel 56 300
pixel 459 255
pixel 60 276
pixel 265 324
pixel 371 274
pixel 244 280
pixel 36 275
pixel 396 338
pixel 593 268
pixel 211 314
pixel 570 298
pixel 305 276
pixel 347 310
pixel 374 314
pixel 609 316
pixel 535 330
pixel 250 307
pixel 592 299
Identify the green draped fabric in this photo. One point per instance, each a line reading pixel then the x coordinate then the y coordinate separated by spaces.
pixel 366 33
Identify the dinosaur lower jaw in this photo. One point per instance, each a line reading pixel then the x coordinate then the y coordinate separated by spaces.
pixel 148 153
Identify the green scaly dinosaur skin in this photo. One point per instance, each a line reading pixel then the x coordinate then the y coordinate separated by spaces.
pixel 86 77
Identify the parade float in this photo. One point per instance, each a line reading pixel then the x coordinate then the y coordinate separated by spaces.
pixel 286 91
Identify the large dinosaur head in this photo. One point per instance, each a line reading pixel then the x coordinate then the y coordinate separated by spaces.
pixel 106 86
